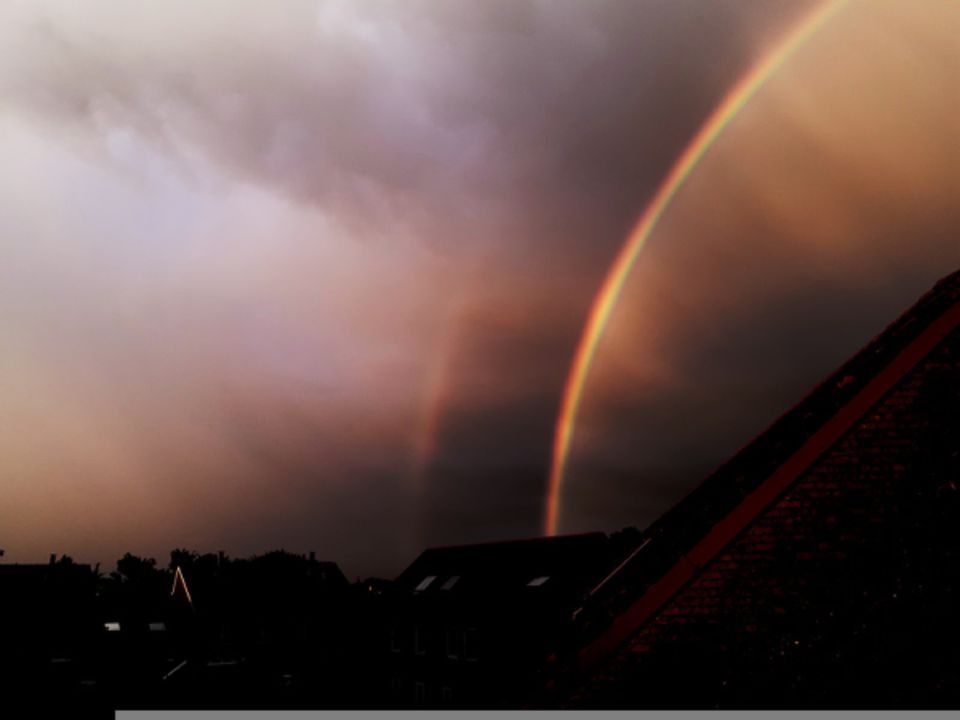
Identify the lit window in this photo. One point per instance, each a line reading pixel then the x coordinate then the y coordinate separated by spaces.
pixel 425 583
pixel 112 627
pixel 538 581
pixel 451 581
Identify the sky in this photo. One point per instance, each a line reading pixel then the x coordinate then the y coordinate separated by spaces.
pixel 311 275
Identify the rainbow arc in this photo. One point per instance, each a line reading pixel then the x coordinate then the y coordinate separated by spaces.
pixel 609 293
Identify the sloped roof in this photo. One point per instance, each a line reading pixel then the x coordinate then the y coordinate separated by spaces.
pixel 492 568
pixel 711 516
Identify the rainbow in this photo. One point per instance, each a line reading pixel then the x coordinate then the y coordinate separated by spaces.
pixel 438 385
pixel 435 400
pixel 606 298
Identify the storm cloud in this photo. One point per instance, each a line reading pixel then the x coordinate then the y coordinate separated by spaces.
pixel 310 274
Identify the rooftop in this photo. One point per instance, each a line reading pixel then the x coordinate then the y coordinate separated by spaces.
pixel 692 532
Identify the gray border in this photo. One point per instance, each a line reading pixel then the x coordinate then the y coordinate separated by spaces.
pixel 513 714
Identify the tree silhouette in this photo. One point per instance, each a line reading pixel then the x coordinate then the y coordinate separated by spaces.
pixel 133 569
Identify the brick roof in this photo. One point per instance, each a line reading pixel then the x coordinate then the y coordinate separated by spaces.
pixel 676 548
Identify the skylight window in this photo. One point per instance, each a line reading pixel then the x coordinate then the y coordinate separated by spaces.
pixel 425 583
pixel 451 581
pixel 538 581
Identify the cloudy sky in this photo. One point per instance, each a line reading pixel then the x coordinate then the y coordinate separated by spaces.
pixel 311 274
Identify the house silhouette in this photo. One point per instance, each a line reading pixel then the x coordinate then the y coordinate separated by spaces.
pixel 470 626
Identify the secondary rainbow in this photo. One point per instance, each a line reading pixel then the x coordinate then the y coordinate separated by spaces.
pixel 606 299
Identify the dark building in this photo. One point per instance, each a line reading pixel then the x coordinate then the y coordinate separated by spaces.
pixel 472 626
pixel 48 629
pixel 819 567
pixel 272 630
pixel 276 630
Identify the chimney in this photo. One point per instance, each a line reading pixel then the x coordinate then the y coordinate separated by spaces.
pixel 313 556
pixel 53 558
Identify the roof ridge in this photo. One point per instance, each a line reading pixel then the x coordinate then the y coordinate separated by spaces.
pixel 944 293
pixel 516 541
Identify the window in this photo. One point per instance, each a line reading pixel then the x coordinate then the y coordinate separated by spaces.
pixel 419 640
pixel 538 581
pixel 420 692
pixel 111 626
pixel 453 644
pixel 451 581
pixel 394 640
pixel 425 583
pixel 446 694
pixel 396 685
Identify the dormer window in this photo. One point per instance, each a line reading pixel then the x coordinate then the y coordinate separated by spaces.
pixel 451 581
pixel 425 583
